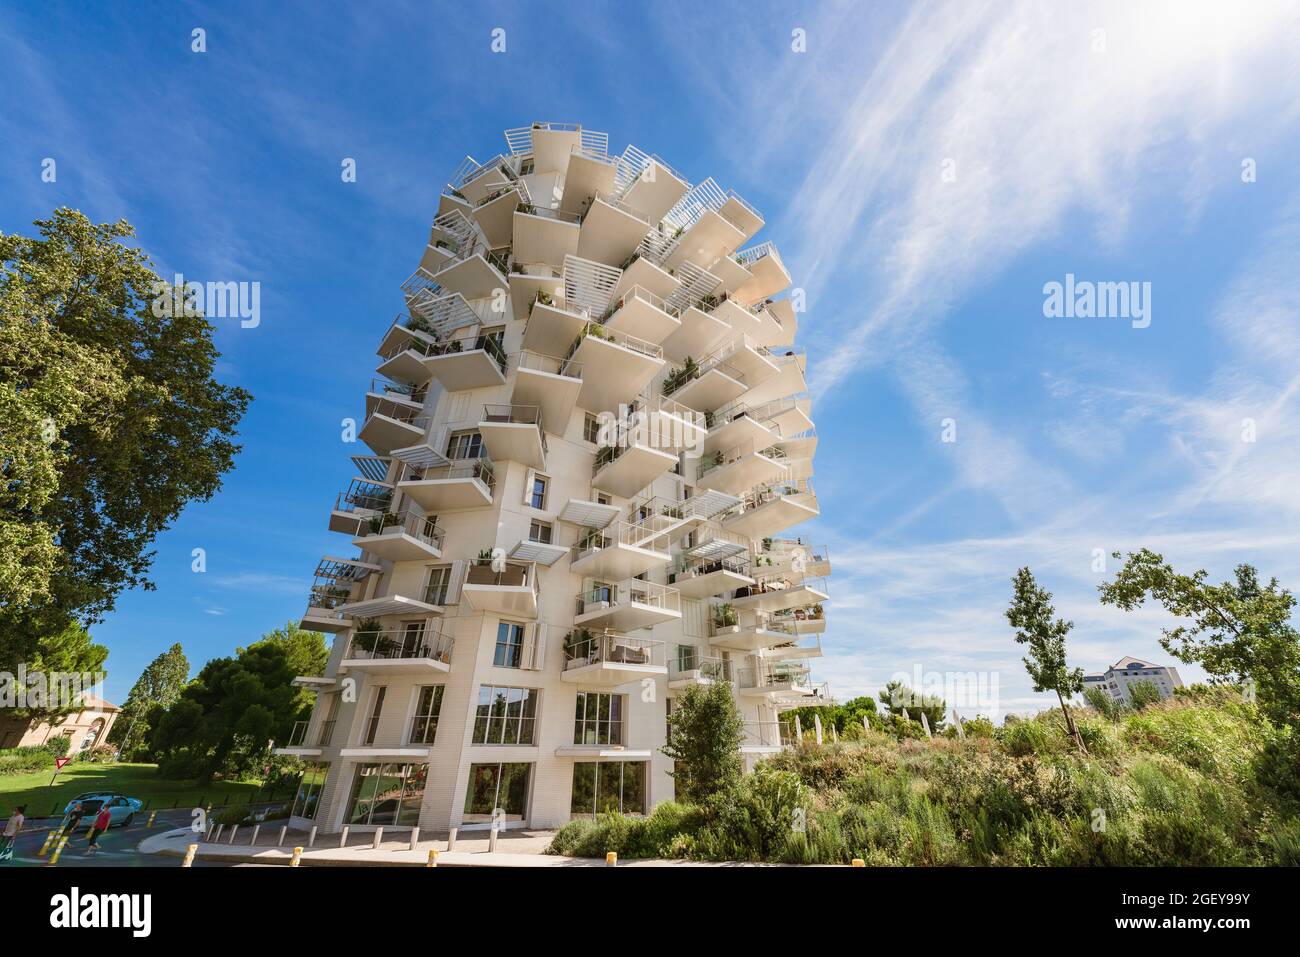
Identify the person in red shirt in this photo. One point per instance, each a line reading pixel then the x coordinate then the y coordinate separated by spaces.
pixel 102 820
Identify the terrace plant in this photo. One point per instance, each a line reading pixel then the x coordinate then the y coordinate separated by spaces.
pixel 724 616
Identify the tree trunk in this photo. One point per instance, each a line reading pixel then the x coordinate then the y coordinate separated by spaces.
pixel 1069 724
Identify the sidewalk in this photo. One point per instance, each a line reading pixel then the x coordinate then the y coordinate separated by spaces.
pixel 520 849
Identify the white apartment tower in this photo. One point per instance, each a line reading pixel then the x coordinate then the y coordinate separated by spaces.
pixel 589 439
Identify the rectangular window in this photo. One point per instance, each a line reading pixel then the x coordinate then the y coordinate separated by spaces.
pixel 493 786
pixel 438 588
pixel 309 785
pixel 600 786
pixel 424 726
pixel 510 645
pixel 540 532
pixel 505 716
pixel 465 445
pixel 387 794
pixel 537 494
pixel 598 718
pixel 591 429
pixel 372 726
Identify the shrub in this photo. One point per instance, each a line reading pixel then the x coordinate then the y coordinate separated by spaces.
pixel 25 760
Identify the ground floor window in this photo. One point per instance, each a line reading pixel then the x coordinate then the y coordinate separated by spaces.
pixel 505 715
pixel 600 786
pixel 387 794
pixel 309 787
pixel 493 786
pixel 598 718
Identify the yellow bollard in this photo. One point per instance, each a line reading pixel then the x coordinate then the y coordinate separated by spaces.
pixel 611 859
pixel 433 857
pixel 189 855
pixel 49 839
pixel 58 849
pixel 859 862
pixel 297 856
pixel 152 815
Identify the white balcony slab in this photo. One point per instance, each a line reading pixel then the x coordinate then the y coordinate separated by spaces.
pixel 710 238
pixel 697 335
pixel 610 234
pixel 635 467
pixel 539 238
pixel 742 473
pixel 781 599
pixel 612 374
pixel 436 496
pixel 552 329
pixel 381 434
pixel 655 191
pixel 587 175
pixel 469 369
pixel 774 516
pixel 709 391
pixel 642 272
pixel 514 442
pixel 473 277
pixel 710 584
pixel 740 430
pixel 526 284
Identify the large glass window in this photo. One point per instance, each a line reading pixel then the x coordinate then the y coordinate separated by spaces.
pixel 537 494
pixel 598 718
pixel 505 715
pixel 387 794
pixel 493 786
pixel 510 645
pixel 309 785
pixel 424 726
pixel 439 585
pixel 600 786
pixel 465 445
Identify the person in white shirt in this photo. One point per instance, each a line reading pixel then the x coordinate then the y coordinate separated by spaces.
pixel 12 828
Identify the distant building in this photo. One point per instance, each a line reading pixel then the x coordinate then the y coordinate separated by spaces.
pixel 1123 674
pixel 83 729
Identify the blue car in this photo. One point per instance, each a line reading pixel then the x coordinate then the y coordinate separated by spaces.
pixel 121 809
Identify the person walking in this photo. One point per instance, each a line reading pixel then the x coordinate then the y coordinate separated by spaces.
pixel 75 814
pixel 100 825
pixel 13 827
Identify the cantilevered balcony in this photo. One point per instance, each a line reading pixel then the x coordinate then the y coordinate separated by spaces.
pixel 788 381
pixel 699 334
pixel 511 590
pixel 640 313
pixel 477 181
pixel 609 659
pixel 793 557
pixel 768 511
pixel 543 235
pixel 390 605
pixel 402 352
pixel 627 467
pixel 513 433
pixel 551 145
pixel 649 185
pixel 616 367
pixel 402 537
pixel 306 741
pixel 384 393
pixel 391 425
pixel 741 467
pixel 462 484
pixel 620 551
pixel 641 271
pixel 331 589
pixel 552 327
pixel 780 684
pixel 537 547
pixel 704 386
pixel 475 272
pixel 799 646
pixel 773 593
pixel 781 312
pixel 531 281
pixel 696 669
pixel 769 273
pixel 550 384
pixel 752 635
pixel 706 578
pixel 588 514
pixel 419 651
pixel 789 416
pixel 357 503
pixel 611 230
pixel 468 362
pixel 708 238
pixel 735 425
pixel 738 316
pixel 627 606
pixel 495 214
pixel 590 173
pixel 663 423
pixel 801 619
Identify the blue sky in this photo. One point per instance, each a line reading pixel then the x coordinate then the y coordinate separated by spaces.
pixel 1101 140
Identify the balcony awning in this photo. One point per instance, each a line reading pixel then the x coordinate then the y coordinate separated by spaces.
pixel 602 752
pixel 388 605
pixel 591 514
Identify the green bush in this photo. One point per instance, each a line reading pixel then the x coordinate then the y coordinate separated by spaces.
pixel 26 760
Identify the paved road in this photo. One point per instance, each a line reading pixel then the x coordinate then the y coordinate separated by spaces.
pixel 117 848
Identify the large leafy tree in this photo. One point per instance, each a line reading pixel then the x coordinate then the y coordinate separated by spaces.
pixel 905 702
pixel 225 716
pixel 68 651
pixel 704 740
pixel 1034 618
pixel 159 685
pixel 110 422
pixel 1236 630
pixel 306 653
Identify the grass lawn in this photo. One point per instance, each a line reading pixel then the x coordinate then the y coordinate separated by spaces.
pixel 134 780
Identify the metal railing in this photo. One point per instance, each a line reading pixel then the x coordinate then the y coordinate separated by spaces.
pixel 398 391
pixel 407 522
pixel 687 567
pixel 381 644
pixel 527 359
pixel 480 343
pixel 763 494
pixel 397 412
pixel 360 494
pixel 510 575
pixel 299 736
pixel 618 204
pixel 793 678
pixel 583 648
pixel 725 457
pixel 631 592
pixel 796 647
pixel 646 296
pixel 328 597
pixel 546 212
pixel 753 254
pixel 678 378
pixel 712 669
pixel 512 414
pixel 767 734
pixel 627 534
pixel 480 469
pixel 597 331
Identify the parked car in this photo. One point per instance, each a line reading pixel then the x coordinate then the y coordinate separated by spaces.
pixel 121 809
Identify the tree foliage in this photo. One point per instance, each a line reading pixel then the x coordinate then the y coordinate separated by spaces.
pixel 908 704
pixel 159 685
pixel 110 422
pixel 306 653
pixel 1034 618
pixel 704 740
pixel 1237 631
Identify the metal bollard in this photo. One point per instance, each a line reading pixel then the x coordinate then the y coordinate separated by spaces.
pixel 343 837
pixel 311 838
pixel 492 839
pixel 49 839
pixel 451 838
pixel 234 829
pixel 859 862
pixel 284 829
pixel 253 840
pixel 379 837
pixel 152 815
pixel 217 838
pixel 297 856
pixel 58 849
pixel 415 837
pixel 189 855
pixel 433 857
pixel 611 859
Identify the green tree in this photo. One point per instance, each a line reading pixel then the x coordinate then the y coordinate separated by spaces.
pixel 69 651
pixel 704 741
pixel 1238 630
pixel 160 684
pixel 306 653
pixel 1143 693
pixel 902 701
pixel 110 422
pixel 1034 618
pixel 225 716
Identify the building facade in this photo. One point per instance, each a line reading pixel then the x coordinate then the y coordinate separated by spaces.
pixel 1119 678
pixel 84 729
pixel 588 440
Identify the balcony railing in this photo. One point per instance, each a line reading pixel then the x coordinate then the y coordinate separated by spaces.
pixel 582 648
pixel 724 457
pixel 390 409
pixel 763 494
pixel 597 331
pixel 545 212
pixel 747 257
pixel 360 494
pixel 646 296
pixel 768 734
pixel 714 669
pixel 510 575
pixel 687 568
pixel 625 534
pixel 489 344
pixel 300 735
pixel 617 204
pixel 398 391
pixel 430 644
pixel 406 521
pixel 527 359
pixel 328 596
pixel 796 677
pixel 692 371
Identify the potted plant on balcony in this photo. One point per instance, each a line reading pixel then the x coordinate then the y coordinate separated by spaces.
pixel 589 539
pixel 725 619
pixel 604 455
pixel 578 647
pixel 484 557
pixel 545 298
